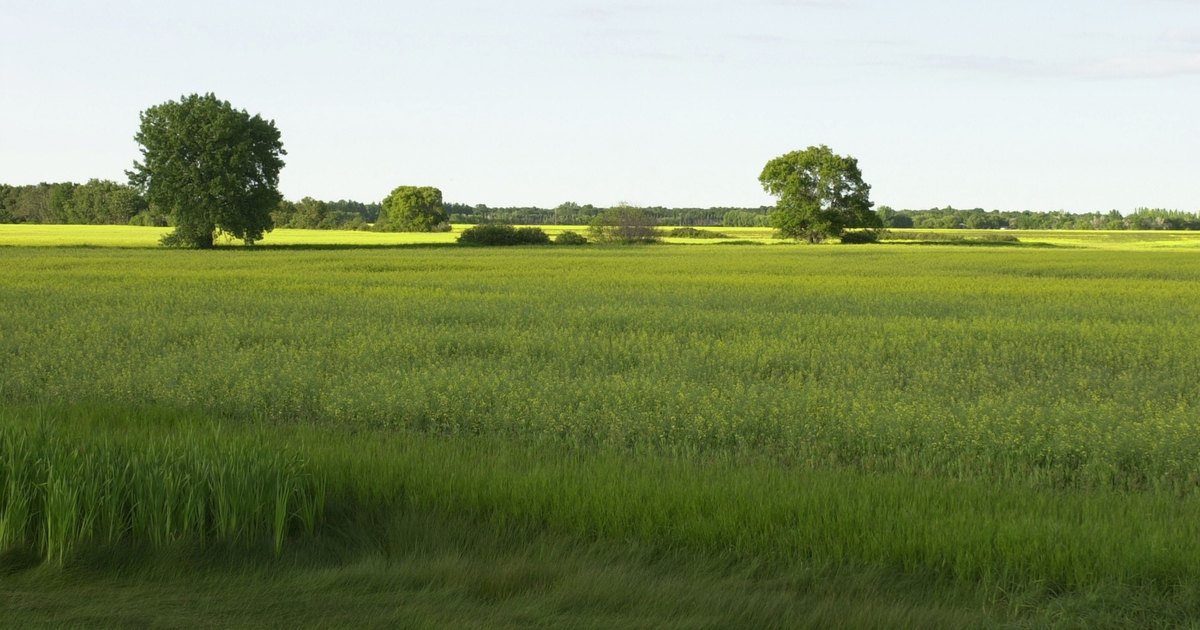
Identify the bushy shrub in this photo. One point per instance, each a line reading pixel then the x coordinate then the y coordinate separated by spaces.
pixel 691 232
pixel 624 224
pixel 501 234
pixel 570 238
pixel 531 236
pixel 859 237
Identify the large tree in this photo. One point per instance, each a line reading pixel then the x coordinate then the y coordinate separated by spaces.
pixel 213 168
pixel 413 209
pixel 821 194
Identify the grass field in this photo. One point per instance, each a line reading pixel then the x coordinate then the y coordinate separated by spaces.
pixel 691 436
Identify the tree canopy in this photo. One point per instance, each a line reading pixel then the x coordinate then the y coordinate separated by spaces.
pixel 211 167
pixel 413 209
pixel 821 194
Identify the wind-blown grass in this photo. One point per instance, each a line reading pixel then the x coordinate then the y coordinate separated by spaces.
pixel 1007 418
pixel 1047 368
pixel 66 485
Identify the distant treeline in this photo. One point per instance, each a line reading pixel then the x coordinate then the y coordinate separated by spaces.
pixel 103 201
pixel 571 213
pixel 980 219
pixel 313 214
pixel 107 202
pixel 97 201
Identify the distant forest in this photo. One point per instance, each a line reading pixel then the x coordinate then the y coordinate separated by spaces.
pixel 108 202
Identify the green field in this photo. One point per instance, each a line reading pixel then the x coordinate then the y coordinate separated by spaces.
pixel 39 235
pixel 693 436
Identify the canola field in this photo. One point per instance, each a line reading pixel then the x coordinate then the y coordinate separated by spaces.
pixel 988 415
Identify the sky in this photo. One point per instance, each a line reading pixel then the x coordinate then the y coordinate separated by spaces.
pixel 1077 105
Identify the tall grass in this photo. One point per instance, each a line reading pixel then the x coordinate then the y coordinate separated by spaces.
pixel 65 486
pixel 240 486
pixel 970 531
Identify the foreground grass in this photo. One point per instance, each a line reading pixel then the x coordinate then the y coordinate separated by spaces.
pixel 424 531
pixel 442 572
pixel 398 551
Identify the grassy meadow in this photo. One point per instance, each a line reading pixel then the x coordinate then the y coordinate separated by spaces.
pixel 701 436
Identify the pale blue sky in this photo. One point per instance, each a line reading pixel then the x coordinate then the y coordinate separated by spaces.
pixel 1010 104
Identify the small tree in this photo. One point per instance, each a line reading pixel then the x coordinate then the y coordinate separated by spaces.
pixel 820 194
pixel 413 209
pixel 624 224
pixel 211 167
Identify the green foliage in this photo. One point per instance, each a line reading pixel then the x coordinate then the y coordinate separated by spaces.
pixel 148 218
pixel 105 202
pixel 571 213
pixel 96 202
pixel 624 224
pixel 859 237
pixel 413 209
pixel 306 214
pixel 744 218
pixel 570 238
pixel 691 232
pixel 821 194
pixel 980 219
pixel 41 203
pixel 52 203
pixel 315 214
pixel 500 234
pixel 531 235
pixel 212 167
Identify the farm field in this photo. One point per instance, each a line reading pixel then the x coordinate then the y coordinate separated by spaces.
pixel 35 235
pixel 38 235
pixel 692 436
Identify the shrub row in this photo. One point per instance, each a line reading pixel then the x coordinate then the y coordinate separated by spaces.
pixel 501 234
